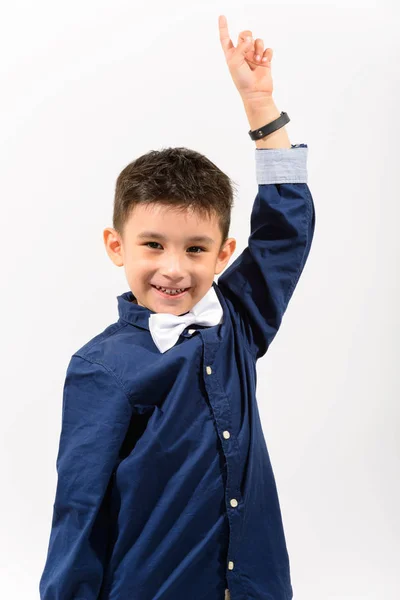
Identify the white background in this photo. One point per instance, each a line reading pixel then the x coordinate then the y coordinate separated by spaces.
pixel 87 87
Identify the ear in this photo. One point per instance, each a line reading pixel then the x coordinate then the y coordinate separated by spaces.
pixel 113 244
pixel 224 255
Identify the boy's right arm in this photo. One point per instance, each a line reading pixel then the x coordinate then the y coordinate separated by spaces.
pixel 95 418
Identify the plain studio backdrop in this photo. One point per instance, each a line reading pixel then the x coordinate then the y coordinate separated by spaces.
pixel 87 87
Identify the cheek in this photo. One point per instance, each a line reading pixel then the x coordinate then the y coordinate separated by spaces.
pixel 140 262
pixel 204 265
pixel 137 267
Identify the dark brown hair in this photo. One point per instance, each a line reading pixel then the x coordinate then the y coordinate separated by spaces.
pixel 177 177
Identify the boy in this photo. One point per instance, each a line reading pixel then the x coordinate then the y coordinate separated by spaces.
pixel 165 488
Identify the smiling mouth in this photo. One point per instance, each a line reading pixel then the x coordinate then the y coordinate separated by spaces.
pixel 170 292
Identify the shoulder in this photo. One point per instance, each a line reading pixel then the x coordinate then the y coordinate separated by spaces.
pixel 96 347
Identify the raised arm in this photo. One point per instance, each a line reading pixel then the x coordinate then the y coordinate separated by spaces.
pixel 95 417
pixel 261 281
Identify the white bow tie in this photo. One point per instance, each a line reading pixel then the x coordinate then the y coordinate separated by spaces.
pixel 165 328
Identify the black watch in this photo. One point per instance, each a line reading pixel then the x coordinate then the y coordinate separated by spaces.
pixel 281 121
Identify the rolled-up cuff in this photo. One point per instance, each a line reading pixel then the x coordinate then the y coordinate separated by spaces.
pixel 282 165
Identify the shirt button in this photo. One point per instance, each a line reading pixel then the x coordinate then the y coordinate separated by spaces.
pixel 230 565
pixel 234 502
pixel 209 371
pixel 226 434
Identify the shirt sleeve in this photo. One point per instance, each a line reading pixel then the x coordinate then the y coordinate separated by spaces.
pixel 95 417
pixel 261 281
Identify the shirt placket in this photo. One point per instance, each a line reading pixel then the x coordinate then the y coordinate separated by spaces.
pixel 230 447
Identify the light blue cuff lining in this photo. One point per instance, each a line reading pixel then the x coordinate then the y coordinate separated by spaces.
pixel 282 165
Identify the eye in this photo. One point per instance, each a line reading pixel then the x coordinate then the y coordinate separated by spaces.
pixel 198 247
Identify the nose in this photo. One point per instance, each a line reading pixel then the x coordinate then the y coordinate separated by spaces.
pixel 171 267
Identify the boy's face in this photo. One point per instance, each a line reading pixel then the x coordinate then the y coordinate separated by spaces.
pixel 169 259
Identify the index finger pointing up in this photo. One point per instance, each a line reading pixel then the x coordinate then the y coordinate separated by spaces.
pixel 225 40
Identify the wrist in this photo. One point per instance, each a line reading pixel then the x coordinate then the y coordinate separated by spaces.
pixel 261 111
pixel 257 98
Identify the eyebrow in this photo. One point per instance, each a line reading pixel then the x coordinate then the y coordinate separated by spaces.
pixel 196 238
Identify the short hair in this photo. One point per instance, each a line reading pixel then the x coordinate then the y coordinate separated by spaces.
pixel 178 177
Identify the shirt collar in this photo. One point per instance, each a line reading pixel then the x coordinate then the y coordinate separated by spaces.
pixel 138 315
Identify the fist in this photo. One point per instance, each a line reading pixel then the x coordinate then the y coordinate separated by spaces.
pixel 248 63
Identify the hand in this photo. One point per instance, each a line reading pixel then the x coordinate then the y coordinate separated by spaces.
pixel 251 77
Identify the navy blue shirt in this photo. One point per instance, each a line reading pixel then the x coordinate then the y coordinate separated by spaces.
pixel 165 487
